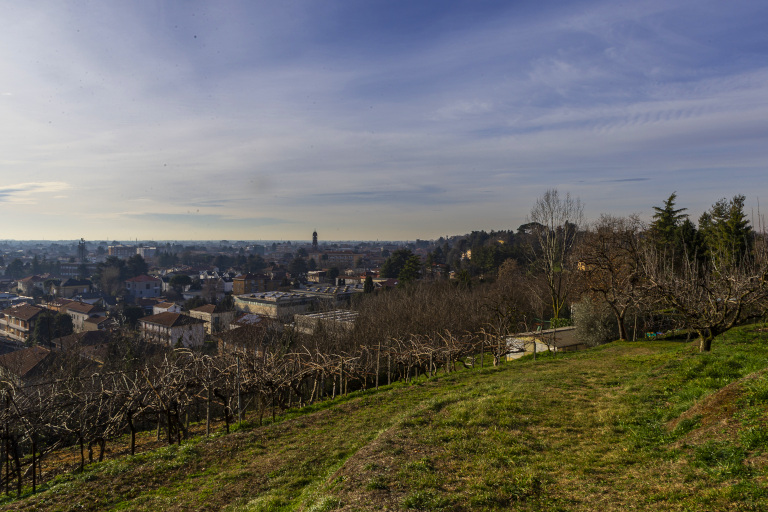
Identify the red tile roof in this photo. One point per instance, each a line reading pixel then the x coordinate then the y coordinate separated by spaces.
pixel 31 279
pixel 82 307
pixel 207 308
pixel 23 312
pixel 85 338
pixel 22 362
pixel 168 319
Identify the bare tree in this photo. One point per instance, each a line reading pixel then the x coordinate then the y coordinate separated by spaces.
pixel 509 309
pixel 708 299
pixel 608 259
pixel 555 222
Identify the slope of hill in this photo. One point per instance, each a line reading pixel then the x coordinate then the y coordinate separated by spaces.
pixel 645 425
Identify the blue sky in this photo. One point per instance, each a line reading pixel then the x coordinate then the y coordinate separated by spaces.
pixel 371 119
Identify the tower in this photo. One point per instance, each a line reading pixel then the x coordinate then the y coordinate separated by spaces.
pixel 314 241
pixel 81 251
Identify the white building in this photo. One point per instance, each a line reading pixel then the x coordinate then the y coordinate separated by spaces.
pixel 172 329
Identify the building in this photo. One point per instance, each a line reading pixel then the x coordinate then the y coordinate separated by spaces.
pixel 172 329
pixel 243 319
pixel 71 287
pixel 339 321
pixel 18 322
pixel 82 252
pixel 252 334
pixel 93 345
pixel 26 365
pixel 100 323
pixel 121 251
pixel 562 339
pixel 148 253
pixel 57 305
pixel 332 296
pixel 82 311
pixel 73 269
pixel 278 305
pixel 165 307
pixel 148 305
pixel 215 319
pixel 336 258
pixel 11 299
pixel 249 283
pixel 144 286
pixel 316 276
pixel 28 285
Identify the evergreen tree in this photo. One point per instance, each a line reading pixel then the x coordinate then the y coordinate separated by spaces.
pixel 410 271
pixel 62 325
pixel 726 232
pixel 50 326
pixel 298 267
pixel 667 221
pixel 256 263
pixel 395 263
pixel 15 269
pixel 688 238
pixel 136 266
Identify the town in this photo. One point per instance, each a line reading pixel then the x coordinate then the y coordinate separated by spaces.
pixel 173 294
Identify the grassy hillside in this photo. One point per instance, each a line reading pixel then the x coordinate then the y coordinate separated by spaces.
pixel 646 425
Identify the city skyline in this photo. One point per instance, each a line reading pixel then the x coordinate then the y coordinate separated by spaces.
pixel 370 120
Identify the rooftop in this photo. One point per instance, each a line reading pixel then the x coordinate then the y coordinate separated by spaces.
pixel 143 279
pixel 170 319
pixel 22 362
pixel 23 311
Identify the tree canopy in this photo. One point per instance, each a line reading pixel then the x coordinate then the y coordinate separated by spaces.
pixel 667 221
pixel 726 232
pixel 395 263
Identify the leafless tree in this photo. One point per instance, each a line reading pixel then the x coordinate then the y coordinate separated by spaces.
pixel 708 299
pixel 555 222
pixel 609 261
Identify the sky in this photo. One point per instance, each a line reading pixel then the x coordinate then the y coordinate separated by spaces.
pixel 372 119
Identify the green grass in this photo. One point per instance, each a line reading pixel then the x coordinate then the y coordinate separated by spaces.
pixel 650 425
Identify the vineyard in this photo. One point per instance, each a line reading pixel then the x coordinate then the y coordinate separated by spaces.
pixel 650 425
pixel 90 412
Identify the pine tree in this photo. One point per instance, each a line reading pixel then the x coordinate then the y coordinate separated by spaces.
pixel 726 232
pixel 667 221
pixel 368 285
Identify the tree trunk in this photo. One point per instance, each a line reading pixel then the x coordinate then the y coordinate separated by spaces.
pixel 170 426
pixel 34 465
pixel 705 339
pixel 82 452
pixel 17 463
pixel 208 414
pixel 622 327
pixel 133 432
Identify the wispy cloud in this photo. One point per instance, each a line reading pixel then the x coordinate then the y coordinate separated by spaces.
pixel 367 116
pixel 32 192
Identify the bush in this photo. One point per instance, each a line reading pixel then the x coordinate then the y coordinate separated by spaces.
pixel 595 323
